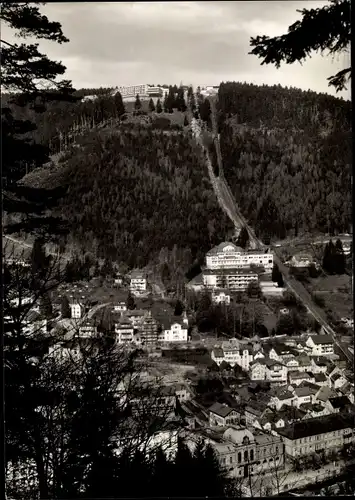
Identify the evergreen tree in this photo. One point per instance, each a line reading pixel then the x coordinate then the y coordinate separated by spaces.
pixel 186 121
pixel 216 480
pixel 329 258
pixel 32 78
pixel 162 480
pixel 285 325
pixel 107 269
pixel 130 303
pixel 151 105
pixel 159 106
pixel 243 238
pixel 325 28
pixel 65 308
pixel 276 276
pixel 179 308
pixel 166 104
pixel 137 104
pixel 165 274
pixel 120 109
pixel 183 467
pixel 39 260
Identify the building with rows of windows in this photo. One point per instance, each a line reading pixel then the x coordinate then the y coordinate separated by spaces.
pixel 229 256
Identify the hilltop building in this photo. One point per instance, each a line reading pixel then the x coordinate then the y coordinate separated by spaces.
pixel 228 256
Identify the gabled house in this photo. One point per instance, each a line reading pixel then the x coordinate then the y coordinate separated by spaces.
pixel 77 309
pixel 254 411
pixel 87 329
pixel 175 329
pixel 314 410
pixel 280 398
pixel 323 395
pixel 321 345
pixel 321 379
pixel 292 364
pixel 276 372
pixel 217 355
pixel 319 364
pixel 257 369
pixel 222 415
pixel 338 404
pixel 304 364
pixel 303 395
pixel 337 380
pixel 296 377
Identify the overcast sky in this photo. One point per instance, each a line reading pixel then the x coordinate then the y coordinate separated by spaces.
pixel 202 43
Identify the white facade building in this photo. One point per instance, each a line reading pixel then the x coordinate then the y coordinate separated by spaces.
pixel 233 279
pixel 138 282
pixel 228 255
pixel 76 310
pixel 321 345
pixel 176 333
pixel 124 331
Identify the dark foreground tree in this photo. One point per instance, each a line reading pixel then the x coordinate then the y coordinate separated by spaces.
pixel 323 29
pixel 159 107
pixel 151 105
pixel 137 104
pixel 31 77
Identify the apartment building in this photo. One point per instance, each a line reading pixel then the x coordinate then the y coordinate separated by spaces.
pixel 228 255
pixel 138 283
pixel 124 331
pixel 330 432
pixel 235 279
pixel 133 90
pixel 234 355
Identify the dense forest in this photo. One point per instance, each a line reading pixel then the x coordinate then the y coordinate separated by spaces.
pixel 287 158
pixel 135 193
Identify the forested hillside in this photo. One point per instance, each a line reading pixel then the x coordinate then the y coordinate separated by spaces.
pixel 287 158
pixel 135 193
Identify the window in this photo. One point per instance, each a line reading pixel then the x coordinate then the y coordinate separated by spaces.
pixel 239 457
pixel 251 455
pixel 230 460
pixel 277 449
pixel 246 456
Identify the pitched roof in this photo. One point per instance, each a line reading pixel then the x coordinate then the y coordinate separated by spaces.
pixel 325 393
pixel 298 375
pixel 320 377
pixel 339 402
pixel 322 339
pixel 219 248
pixel 220 409
pixel 218 352
pixel 136 274
pixel 312 387
pixel 302 392
pixel 318 425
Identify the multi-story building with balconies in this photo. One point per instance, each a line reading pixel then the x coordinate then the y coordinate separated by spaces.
pixel 233 279
pixel 227 255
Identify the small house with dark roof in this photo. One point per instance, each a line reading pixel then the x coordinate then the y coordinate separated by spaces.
pixel 320 379
pixel 338 404
pixel 321 345
pixel 296 377
pixel 281 398
pixel 337 380
pixel 314 410
pixel 217 355
pixel 303 395
pixel 221 414
pixel 309 436
pixel 324 394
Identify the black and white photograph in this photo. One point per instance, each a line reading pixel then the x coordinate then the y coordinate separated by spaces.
pixel 177 249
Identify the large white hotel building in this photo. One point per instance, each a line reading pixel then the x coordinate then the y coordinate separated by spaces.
pixel 229 266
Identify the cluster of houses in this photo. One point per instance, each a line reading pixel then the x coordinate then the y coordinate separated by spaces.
pixel 229 267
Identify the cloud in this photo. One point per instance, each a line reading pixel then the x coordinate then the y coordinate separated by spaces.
pixel 168 42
